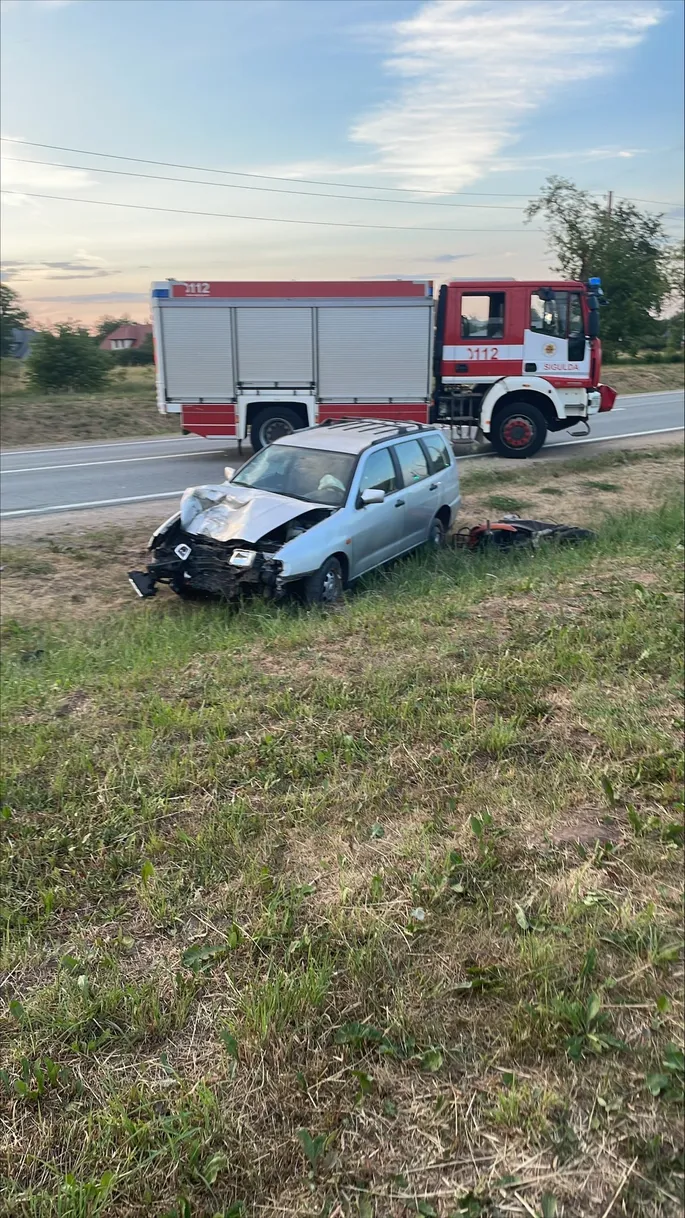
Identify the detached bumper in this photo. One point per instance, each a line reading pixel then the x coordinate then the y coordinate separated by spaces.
pixel 211 568
pixel 607 398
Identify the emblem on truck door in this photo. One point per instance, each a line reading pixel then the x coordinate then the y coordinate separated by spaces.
pixel 550 348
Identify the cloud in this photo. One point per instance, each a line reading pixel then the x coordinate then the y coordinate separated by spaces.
pixel 81 266
pixel 8 5
pixel 472 73
pixel 19 175
pixel 95 298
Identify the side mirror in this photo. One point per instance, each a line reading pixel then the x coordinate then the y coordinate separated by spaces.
pixel 371 496
pixel 229 471
pixel 593 324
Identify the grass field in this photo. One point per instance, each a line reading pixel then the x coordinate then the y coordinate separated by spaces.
pixel 368 913
pixel 128 409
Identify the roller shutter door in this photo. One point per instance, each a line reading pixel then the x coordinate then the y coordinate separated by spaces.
pixel 198 359
pixel 374 352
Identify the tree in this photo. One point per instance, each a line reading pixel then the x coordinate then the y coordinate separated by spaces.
pixel 67 359
pixel 107 325
pixel 627 248
pixel 12 317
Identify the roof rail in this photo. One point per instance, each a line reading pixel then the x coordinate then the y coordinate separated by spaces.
pixel 393 430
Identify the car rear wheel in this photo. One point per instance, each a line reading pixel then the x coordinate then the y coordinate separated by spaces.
pixel 325 586
pixel 271 424
pixel 518 430
pixel 436 534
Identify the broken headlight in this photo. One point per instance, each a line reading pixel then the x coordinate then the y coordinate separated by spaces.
pixel 242 558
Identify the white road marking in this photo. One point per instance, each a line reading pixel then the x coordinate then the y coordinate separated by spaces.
pixel 41 469
pixel 72 507
pixel 94 503
pixel 626 435
pixel 65 448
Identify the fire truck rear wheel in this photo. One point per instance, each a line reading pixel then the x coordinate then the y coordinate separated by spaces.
pixel 271 424
pixel 518 430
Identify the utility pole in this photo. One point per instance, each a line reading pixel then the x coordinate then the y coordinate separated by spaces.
pixel 610 204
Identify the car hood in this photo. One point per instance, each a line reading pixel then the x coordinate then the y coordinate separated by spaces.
pixel 237 513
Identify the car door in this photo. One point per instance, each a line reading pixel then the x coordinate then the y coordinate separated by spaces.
pixel 377 529
pixel 419 491
pixel 444 472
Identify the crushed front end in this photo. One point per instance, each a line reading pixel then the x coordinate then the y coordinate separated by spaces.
pixel 213 568
pixel 224 541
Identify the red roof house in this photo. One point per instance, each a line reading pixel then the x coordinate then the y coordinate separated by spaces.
pixel 130 335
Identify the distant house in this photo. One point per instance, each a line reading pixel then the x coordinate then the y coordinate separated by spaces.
pixel 130 335
pixel 21 343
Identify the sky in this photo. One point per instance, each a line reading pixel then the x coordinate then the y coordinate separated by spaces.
pixel 433 122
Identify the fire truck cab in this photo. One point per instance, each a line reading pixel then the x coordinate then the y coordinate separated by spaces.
pixel 517 359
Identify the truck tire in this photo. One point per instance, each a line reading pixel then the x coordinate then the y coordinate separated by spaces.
pixel 325 586
pixel 518 430
pixel 272 423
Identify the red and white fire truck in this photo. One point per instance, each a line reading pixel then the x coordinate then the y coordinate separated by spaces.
pixel 512 359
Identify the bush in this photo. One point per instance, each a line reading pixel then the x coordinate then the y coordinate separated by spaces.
pixel 67 359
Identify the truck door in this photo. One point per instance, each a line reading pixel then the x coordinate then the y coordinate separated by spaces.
pixel 554 343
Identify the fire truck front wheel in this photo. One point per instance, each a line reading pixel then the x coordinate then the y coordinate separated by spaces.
pixel 271 424
pixel 518 430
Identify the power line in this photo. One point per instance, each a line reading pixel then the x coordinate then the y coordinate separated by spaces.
pixel 269 177
pixel 281 190
pixel 495 194
pixel 223 215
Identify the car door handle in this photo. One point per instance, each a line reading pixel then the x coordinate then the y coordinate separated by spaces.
pixel 434 486
pixel 399 503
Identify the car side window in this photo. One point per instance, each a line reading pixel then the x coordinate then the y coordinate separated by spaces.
pixel 437 453
pixel 378 473
pixel 413 464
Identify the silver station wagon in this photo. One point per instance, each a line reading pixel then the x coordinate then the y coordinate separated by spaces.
pixel 310 513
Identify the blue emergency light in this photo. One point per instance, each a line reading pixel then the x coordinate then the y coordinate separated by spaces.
pixel 596 282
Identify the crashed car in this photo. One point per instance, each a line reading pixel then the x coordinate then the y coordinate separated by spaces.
pixel 312 512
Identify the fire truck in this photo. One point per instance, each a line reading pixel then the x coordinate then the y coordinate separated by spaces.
pixel 508 359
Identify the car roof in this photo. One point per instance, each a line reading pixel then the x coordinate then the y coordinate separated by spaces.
pixel 352 435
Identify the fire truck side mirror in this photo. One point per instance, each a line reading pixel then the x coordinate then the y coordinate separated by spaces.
pixel 593 324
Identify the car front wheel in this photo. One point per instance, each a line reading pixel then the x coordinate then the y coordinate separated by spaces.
pixel 325 586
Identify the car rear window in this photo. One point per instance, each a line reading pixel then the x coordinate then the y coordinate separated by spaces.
pixel 412 459
pixel 437 453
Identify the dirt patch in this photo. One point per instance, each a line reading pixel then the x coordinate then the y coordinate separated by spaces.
pixel 584 827
pixel 79 577
pixel 578 496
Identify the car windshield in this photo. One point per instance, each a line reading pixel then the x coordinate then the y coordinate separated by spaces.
pixel 301 473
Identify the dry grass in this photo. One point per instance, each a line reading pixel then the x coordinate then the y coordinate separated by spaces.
pixel 373 913
pixel 651 378
pixel 127 408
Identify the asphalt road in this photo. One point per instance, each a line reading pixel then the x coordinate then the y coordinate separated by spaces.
pixel 41 481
